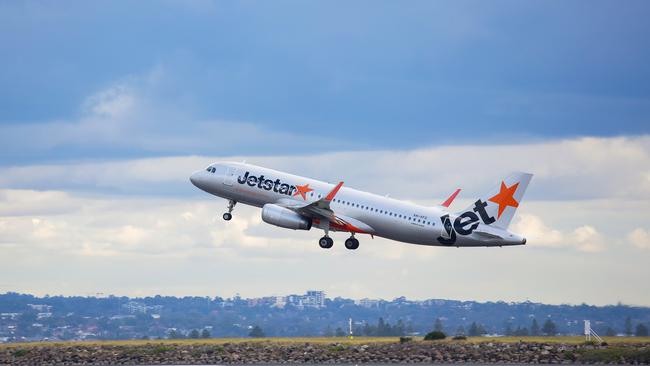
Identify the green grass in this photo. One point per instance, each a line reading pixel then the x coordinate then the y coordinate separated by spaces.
pixel 212 341
pixel 558 339
pixel 20 352
pixel 615 355
pixel 319 340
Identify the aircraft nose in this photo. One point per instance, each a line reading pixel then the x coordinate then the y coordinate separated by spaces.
pixel 198 179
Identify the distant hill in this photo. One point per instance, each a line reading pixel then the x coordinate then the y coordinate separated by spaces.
pixel 26 317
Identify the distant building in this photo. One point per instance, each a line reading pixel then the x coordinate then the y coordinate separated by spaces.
pixel 134 307
pixel 368 303
pixel 42 308
pixel 280 302
pixel 122 317
pixel 314 299
pixel 261 301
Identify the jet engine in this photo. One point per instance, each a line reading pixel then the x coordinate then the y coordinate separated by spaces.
pixel 284 217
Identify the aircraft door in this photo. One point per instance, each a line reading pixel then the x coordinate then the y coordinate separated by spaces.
pixel 231 175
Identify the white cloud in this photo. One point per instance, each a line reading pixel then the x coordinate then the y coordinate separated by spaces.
pixel 640 238
pixel 133 114
pixel 577 169
pixel 143 216
pixel 537 233
pixel 587 238
pixel 584 238
pixel 16 203
pixel 115 101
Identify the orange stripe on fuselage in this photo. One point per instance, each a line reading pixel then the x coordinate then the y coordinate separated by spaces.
pixel 346 227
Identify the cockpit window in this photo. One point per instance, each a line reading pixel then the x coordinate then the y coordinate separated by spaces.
pixel 214 169
pixel 208 169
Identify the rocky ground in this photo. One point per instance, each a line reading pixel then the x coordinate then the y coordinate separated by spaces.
pixel 259 353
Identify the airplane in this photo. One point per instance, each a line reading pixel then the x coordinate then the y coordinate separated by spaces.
pixel 299 203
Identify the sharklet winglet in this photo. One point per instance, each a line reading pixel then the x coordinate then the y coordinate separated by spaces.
pixel 450 199
pixel 330 196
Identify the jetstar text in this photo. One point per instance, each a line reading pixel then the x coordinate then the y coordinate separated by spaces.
pixel 465 223
pixel 262 182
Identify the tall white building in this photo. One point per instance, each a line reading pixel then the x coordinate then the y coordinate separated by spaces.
pixel 314 298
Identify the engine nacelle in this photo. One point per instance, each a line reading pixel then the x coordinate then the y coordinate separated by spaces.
pixel 284 217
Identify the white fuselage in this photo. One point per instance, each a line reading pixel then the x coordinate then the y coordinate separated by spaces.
pixel 386 217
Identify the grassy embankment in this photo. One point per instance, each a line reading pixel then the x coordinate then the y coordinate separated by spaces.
pixel 326 340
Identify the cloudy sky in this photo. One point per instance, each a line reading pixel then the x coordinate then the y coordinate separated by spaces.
pixel 106 109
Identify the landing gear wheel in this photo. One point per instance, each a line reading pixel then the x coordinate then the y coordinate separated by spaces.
pixel 231 206
pixel 351 243
pixel 325 242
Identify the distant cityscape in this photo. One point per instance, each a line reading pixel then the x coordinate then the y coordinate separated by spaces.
pixel 52 318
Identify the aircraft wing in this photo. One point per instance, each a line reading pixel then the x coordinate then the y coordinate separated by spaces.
pixel 320 211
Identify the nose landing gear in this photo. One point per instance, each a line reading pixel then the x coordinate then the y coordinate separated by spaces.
pixel 231 206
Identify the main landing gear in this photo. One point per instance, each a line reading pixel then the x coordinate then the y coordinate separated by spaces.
pixel 231 206
pixel 326 242
pixel 352 243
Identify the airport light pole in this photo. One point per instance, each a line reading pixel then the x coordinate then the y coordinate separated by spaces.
pixel 350 328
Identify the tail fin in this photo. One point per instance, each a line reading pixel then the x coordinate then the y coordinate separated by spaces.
pixel 502 201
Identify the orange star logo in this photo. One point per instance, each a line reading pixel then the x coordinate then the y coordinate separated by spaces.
pixel 505 197
pixel 303 190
